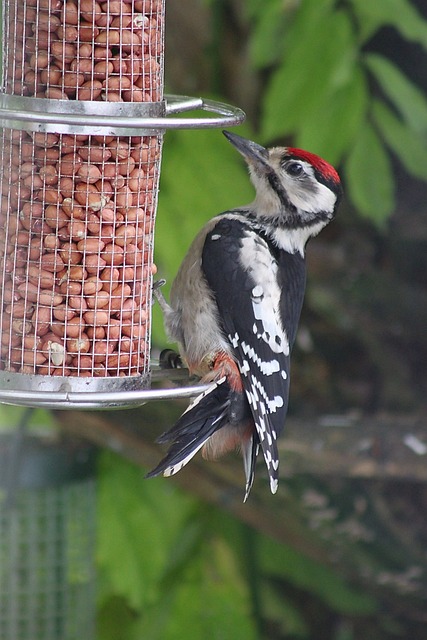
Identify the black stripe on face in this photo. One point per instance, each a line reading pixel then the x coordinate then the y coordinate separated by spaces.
pixel 294 218
pixel 297 221
pixel 278 189
pixel 306 184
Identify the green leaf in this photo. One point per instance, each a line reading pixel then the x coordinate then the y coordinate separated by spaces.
pixel 37 420
pixel 130 507
pixel 369 176
pixel 208 591
pixel 212 178
pixel 301 53
pixel 286 614
pixel 115 619
pixel 254 9
pixel 319 59
pixel 212 600
pixel 284 563
pixel 410 148
pixel 268 33
pixel 408 99
pixel 333 124
pixel 400 14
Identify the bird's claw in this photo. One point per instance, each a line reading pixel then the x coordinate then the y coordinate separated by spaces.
pixel 157 294
pixel 158 284
pixel 170 359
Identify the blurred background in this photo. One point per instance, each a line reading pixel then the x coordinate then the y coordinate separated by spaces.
pixel 340 553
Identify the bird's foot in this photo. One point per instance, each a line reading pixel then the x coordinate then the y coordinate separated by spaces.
pixel 158 295
pixel 170 359
pixel 225 365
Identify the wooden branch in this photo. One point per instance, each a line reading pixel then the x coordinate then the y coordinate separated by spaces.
pixel 345 513
pixel 377 447
pixel 380 448
pixel 218 483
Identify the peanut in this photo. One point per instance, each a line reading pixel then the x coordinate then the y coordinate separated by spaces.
pixel 90 245
pixel 92 285
pixel 79 344
pixel 89 173
pixel 99 301
pixel 74 327
pixel 88 196
pixel 90 90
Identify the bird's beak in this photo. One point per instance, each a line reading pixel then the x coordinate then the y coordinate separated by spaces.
pixel 254 154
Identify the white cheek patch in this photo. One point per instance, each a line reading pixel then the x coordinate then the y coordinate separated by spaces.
pixel 321 199
pixel 326 199
pixel 312 200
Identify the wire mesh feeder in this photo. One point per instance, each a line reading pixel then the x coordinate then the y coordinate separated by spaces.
pixel 47 541
pixel 82 115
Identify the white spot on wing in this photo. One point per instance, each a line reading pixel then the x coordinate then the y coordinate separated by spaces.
pixel 234 340
pixel 258 390
pixel 244 368
pixel 257 260
pixel 266 368
pixel 257 291
pixel 259 400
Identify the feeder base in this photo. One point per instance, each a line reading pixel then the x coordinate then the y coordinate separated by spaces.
pixel 57 392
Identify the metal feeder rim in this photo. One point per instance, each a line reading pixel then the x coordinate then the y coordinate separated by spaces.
pixel 21 111
pixel 97 399
pixel 30 390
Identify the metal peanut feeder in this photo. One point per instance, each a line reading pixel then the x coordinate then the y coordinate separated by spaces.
pixel 82 117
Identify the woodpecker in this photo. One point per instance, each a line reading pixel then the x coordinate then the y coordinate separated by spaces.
pixel 235 306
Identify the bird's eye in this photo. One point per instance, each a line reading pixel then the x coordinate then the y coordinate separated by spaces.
pixel 294 169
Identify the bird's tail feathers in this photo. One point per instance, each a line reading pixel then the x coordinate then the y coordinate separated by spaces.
pixel 205 415
pixel 250 450
pixel 267 439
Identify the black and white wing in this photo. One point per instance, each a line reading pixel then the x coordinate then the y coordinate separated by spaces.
pixel 242 269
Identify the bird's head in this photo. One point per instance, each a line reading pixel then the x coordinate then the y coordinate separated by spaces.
pixel 295 190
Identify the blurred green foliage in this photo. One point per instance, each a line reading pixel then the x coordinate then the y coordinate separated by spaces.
pixel 319 91
pixel 172 567
pixel 38 420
